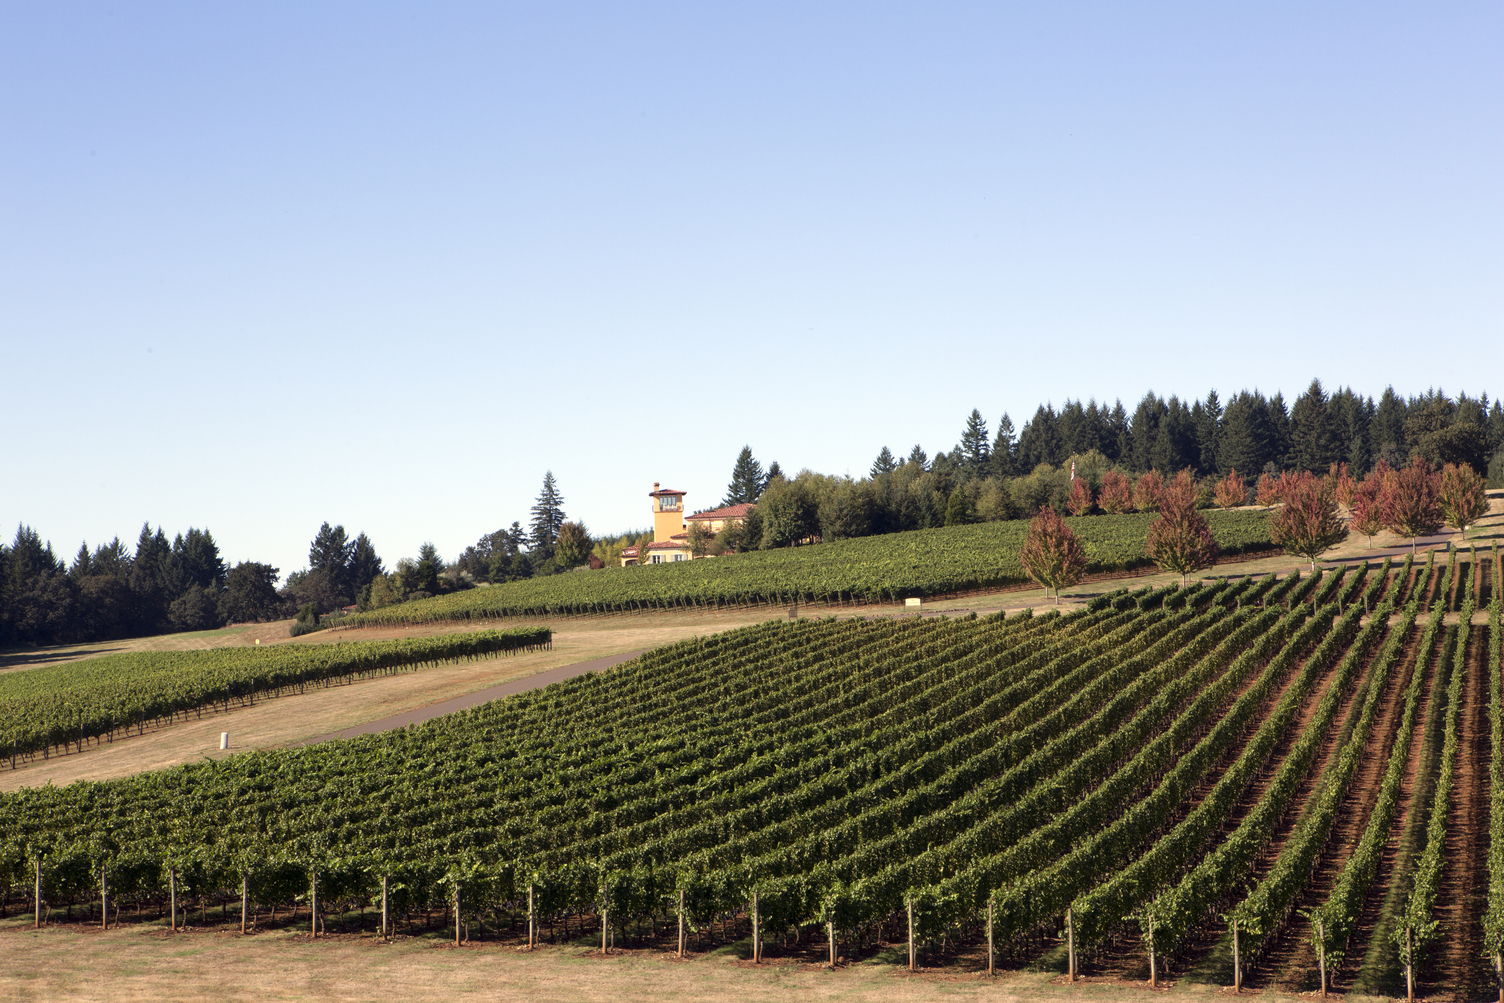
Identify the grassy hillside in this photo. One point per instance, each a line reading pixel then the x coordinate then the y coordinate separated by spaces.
pixel 888 568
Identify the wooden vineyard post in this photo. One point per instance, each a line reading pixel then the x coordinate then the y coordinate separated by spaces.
pixel 909 903
pixel 756 932
pixel 457 926
pixel 1499 963
pixel 532 921
pixel 1153 960
pixel 830 933
pixel 681 923
pixel 1410 941
pixel 603 930
pixel 1321 954
pixel 172 899
pixel 1070 944
pixel 245 901
pixel 37 895
pixel 991 971
pixel 313 904
pixel 385 924
pixel 104 896
pixel 1237 958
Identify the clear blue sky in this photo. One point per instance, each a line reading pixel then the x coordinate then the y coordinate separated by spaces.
pixel 273 263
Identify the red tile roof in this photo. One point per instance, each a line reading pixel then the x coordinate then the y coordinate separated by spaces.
pixel 667 545
pixel 727 512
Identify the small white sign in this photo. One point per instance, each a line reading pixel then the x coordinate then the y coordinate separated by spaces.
pixel 913 602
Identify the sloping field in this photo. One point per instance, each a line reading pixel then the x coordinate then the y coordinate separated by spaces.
pixel 1162 768
pixel 885 568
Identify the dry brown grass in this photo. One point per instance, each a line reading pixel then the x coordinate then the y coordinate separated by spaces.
pixel 76 963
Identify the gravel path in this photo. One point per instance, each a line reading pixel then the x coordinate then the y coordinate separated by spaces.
pixel 480 696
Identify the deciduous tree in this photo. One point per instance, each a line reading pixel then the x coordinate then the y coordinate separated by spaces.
pixel 1080 501
pixel 1051 554
pixel 1180 540
pixel 1308 524
pixel 1147 490
pixel 1231 490
pixel 1368 504
pixel 1116 496
pixel 1412 506
pixel 1463 499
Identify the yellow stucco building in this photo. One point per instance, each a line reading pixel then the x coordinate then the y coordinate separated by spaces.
pixel 671 527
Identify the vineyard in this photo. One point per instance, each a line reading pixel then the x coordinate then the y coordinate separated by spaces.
pixel 1268 781
pixel 875 569
pixel 56 706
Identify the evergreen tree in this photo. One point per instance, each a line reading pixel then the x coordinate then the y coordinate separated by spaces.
pixel 548 516
pixel 250 594
pixel 148 580
pixel 1387 431
pixel 329 560
pixel 1144 432
pixel 1247 437
pixel 774 472
pixel 424 576
pixel 958 508
pixel 1004 449
pixel 1315 438
pixel 1117 439
pixel 919 457
pixel 974 449
pixel 364 566
pixel 573 545
pixel 1208 433
pixel 1039 442
pixel 1279 422
pixel 1174 439
pixel 746 479
pixel 198 561
pixel 884 464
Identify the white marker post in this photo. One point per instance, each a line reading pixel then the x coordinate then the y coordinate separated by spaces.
pixel 224 741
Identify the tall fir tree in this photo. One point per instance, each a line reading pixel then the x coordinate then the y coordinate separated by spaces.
pixel 547 515
pixel 1208 432
pixel 746 479
pixel 1315 438
pixel 1004 449
pixel 974 450
pixel 884 464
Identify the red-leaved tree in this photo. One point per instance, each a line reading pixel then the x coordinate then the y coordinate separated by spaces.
pixel 1266 492
pixel 1368 505
pixel 1231 490
pixel 1411 504
pixel 1116 496
pixel 1463 498
pixel 1180 540
pixel 1346 487
pixel 1308 523
pixel 1051 554
pixel 1146 491
pixel 1080 500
